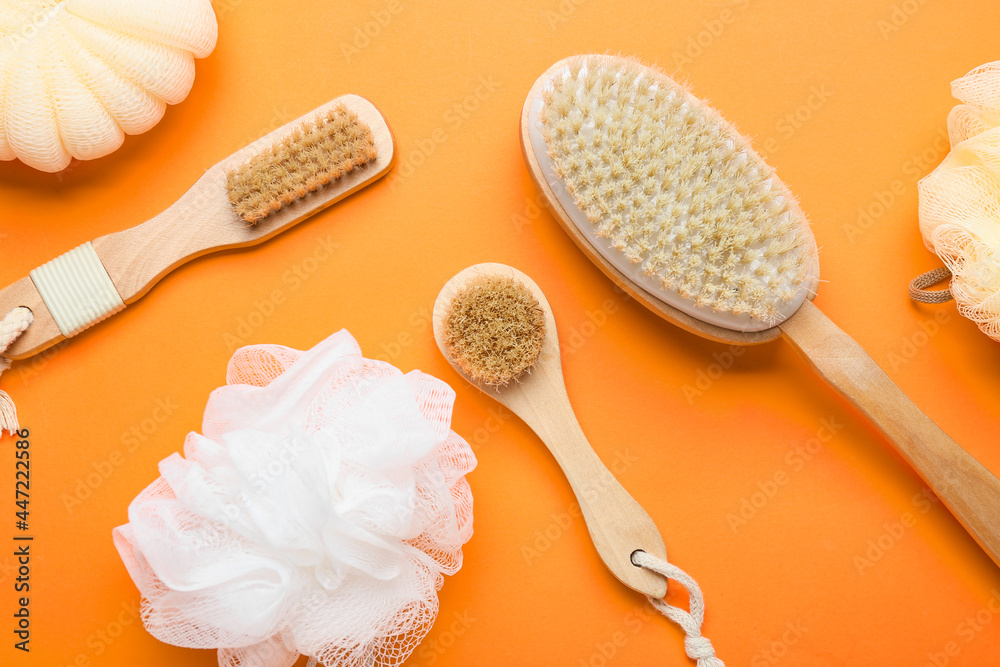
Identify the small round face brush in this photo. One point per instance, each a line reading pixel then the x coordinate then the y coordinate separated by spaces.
pixel 494 326
pixel 673 204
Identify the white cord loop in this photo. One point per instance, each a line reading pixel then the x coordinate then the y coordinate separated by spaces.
pixel 12 325
pixel 697 647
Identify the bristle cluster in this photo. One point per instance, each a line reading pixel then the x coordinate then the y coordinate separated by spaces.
pixel 674 188
pixel 313 155
pixel 494 329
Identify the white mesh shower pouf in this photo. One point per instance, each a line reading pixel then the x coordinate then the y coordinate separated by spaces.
pixel 76 76
pixel 960 199
pixel 315 515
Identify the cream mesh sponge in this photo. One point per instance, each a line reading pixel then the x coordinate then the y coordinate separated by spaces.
pixel 960 199
pixel 76 76
pixel 317 513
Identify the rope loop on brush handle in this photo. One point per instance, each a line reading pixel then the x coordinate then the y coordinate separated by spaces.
pixel 77 291
pixel 13 324
pixel 919 285
pixel 696 646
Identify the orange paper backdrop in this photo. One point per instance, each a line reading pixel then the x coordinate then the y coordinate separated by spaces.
pixel 813 541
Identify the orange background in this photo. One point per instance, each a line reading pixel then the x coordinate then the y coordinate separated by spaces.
pixel 821 573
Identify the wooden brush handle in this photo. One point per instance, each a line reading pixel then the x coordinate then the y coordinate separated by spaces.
pixel 200 222
pixel 970 491
pixel 618 525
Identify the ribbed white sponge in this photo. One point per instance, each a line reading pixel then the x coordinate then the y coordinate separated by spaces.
pixel 76 76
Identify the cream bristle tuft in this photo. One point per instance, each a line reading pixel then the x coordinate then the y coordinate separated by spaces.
pixel 675 189
pixel 312 156
pixel 494 329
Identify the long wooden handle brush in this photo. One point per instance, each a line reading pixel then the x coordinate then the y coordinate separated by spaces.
pixel 255 193
pixel 674 205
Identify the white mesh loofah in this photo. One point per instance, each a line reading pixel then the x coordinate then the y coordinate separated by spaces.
pixel 315 515
pixel 960 199
pixel 77 75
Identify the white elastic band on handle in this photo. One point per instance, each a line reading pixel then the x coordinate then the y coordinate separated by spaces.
pixel 697 647
pixel 77 289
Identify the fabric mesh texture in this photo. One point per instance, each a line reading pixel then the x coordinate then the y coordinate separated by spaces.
pixel 960 199
pixel 76 76
pixel 315 514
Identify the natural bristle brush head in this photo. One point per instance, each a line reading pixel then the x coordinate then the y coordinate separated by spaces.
pixel 668 193
pixel 320 151
pixel 494 329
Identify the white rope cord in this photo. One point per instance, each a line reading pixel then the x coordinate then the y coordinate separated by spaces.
pixel 12 325
pixel 697 647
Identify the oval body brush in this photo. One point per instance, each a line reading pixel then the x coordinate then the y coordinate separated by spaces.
pixel 674 205
pixel 250 196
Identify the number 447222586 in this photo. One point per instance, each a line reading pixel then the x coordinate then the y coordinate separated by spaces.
pixel 22 477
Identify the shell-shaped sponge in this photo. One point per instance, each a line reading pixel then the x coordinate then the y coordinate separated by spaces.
pixel 76 76
pixel 960 199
